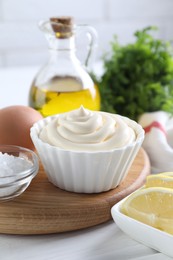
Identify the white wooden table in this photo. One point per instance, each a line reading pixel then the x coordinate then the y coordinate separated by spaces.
pixel 102 242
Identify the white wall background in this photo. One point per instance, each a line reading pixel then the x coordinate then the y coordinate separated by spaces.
pixel 21 42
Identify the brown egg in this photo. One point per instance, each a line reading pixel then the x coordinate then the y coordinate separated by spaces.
pixel 15 124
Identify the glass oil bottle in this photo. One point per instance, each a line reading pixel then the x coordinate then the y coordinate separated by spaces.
pixel 63 84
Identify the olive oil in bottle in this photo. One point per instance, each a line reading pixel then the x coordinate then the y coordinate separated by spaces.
pixel 62 95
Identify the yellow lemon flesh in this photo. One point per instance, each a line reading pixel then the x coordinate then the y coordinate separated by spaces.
pixel 152 206
pixel 160 180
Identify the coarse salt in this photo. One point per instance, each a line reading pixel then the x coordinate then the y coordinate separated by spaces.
pixel 10 166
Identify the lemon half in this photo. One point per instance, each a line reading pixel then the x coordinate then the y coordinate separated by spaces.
pixel 152 206
pixel 160 180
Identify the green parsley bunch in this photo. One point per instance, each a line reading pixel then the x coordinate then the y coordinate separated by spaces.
pixel 138 77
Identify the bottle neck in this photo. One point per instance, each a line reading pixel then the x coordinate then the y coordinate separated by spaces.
pixel 67 44
pixel 63 50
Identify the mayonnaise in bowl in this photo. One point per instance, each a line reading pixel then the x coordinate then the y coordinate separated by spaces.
pixel 83 129
pixel 87 151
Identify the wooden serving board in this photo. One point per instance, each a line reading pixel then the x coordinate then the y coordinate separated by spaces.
pixel 44 208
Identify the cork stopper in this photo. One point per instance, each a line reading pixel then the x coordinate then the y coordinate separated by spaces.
pixel 62 26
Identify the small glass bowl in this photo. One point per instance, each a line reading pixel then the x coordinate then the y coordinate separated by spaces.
pixel 16 177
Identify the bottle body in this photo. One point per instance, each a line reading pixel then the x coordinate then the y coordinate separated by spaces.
pixel 49 101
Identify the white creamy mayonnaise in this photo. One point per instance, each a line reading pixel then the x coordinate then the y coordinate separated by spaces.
pixel 87 130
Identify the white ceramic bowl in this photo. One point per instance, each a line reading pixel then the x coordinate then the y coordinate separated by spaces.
pixel 145 234
pixel 86 172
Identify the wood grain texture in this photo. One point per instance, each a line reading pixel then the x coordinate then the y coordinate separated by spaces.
pixel 44 208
